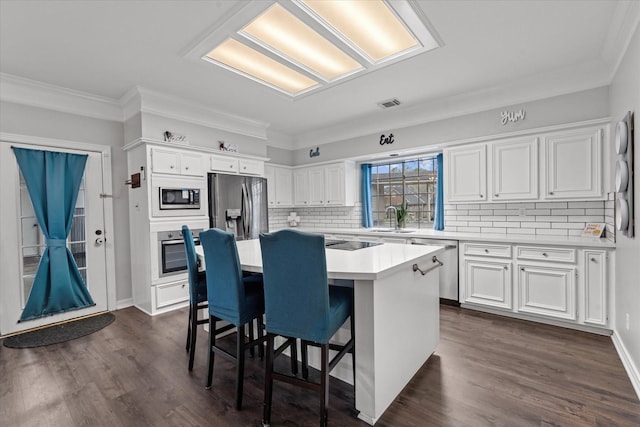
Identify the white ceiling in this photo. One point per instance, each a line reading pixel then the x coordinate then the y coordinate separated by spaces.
pixel 495 53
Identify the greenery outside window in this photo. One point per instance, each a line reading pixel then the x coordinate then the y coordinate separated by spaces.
pixel 411 181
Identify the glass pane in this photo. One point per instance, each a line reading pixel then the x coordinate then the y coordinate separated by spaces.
pixel 78 250
pixel 77 233
pixel 30 259
pixel 83 273
pixel 395 170
pixel 411 168
pixel 27 284
pixel 31 234
pixel 80 201
pixel 26 208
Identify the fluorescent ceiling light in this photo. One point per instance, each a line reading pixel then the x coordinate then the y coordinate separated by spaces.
pixel 245 60
pixel 369 25
pixel 301 46
pixel 287 35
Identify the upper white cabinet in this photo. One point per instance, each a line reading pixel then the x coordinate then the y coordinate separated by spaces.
pixel 514 166
pixel 250 167
pixel 279 186
pixel 465 170
pixel 562 165
pixel 333 184
pixel 176 162
pixel 235 165
pixel 573 162
pixel 224 164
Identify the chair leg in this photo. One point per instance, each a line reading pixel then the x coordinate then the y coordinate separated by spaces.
pixel 268 381
pixel 324 385
pixel 189 331
pixel 240 364
pixel 252 350
pixel 293 352
pixel 193 334
pixel 212 342
pixel 260 335
pixel 305 359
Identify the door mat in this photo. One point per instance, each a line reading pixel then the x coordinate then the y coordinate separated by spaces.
pixel 60 333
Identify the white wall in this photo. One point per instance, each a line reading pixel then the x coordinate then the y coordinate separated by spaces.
pixel 625 96
pixel 32 121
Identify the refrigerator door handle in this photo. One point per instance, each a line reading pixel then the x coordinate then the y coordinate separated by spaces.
pixel 246 211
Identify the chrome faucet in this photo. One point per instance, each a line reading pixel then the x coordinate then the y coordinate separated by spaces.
pixel 395 215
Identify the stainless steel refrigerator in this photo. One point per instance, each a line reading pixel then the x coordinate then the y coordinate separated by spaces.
pixel 238 204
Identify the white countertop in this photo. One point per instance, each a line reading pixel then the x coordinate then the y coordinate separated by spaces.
pixel 363 264
pixel 574 241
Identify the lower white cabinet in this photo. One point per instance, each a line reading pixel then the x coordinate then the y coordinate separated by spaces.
pixel 561 284
pixel 488 282
pixel 547 290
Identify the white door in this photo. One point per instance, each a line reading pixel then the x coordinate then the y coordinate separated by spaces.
pixel 488 283
pixel 24 242
pixel 466 174
pixel 334 182
pixel 514 169
pixel 549 291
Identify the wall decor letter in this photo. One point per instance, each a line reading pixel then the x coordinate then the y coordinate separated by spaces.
pixel 386 140
pixel 512 116
pixel 314 153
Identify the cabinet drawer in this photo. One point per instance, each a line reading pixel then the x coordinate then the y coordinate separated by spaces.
pixel 223 164
pixel 482 249
pixel 546 254
pixel 171 293
pixel 251 167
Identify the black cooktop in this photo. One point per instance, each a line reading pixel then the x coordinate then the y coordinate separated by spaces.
pixel 346 245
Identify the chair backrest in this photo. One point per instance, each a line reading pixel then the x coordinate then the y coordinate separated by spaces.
pixel 296 290
pixel 192 262
pixel 225 288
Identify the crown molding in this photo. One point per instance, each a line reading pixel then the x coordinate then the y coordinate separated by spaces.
pixel 25 91
pixel 144 100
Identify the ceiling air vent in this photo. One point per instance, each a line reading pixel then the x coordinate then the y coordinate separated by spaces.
pixel 389 103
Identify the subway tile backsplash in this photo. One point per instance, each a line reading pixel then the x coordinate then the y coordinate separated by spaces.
pixel 532 218
pixel 539 218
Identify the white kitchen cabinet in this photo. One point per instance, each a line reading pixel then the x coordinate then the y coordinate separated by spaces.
pixel 250 167
pixel 573 161
pixel 279 186
pixel 465 170
pixel 487 282
pixel 514 169
pixel 301 187
pixel 547 290
pixel 595 278
pixel 176 162
pixel 224 164
pixel 333 184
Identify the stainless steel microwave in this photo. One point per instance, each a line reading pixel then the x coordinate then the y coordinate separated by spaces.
pixel 179 198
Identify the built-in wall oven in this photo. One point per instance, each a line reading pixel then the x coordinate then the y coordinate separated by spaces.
pixel 172 258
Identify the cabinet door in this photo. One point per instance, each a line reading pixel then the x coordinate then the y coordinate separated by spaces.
pixel 335 184
pixel 548 291
pixel 284 187
pixel 466 174
pixel 165 161
pixel 574 164
pixel 595 279
pixel 317 186
pixel 224 164
pixel 270 175
pixel 301 187
pixel 251 167
pixel 488 283
pixel 191 164
pixel 514 169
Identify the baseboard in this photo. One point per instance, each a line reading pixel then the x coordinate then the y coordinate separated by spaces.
pixel 124 303
pixel 627 362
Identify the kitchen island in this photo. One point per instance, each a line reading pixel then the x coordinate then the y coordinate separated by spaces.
pixel 396 315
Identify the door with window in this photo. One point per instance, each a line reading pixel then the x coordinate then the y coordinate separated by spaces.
pixel 24 243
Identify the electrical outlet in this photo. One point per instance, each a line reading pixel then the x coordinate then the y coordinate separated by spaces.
pixel 628 321
pixel 522 211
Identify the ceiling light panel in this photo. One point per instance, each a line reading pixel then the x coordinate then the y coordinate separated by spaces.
pixel 245 60
pixel 369 25
pixel 279 31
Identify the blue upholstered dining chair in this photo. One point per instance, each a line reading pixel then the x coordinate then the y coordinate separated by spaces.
pixel 299 303
pixel 233 298
pixel 197 293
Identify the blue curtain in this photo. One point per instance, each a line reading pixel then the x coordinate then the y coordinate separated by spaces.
pixel 53 181
pixel 367 212
pixel 438 220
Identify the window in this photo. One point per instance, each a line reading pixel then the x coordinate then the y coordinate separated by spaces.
pixel 411 181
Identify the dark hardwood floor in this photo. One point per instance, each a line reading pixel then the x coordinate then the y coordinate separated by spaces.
pixel 487 371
